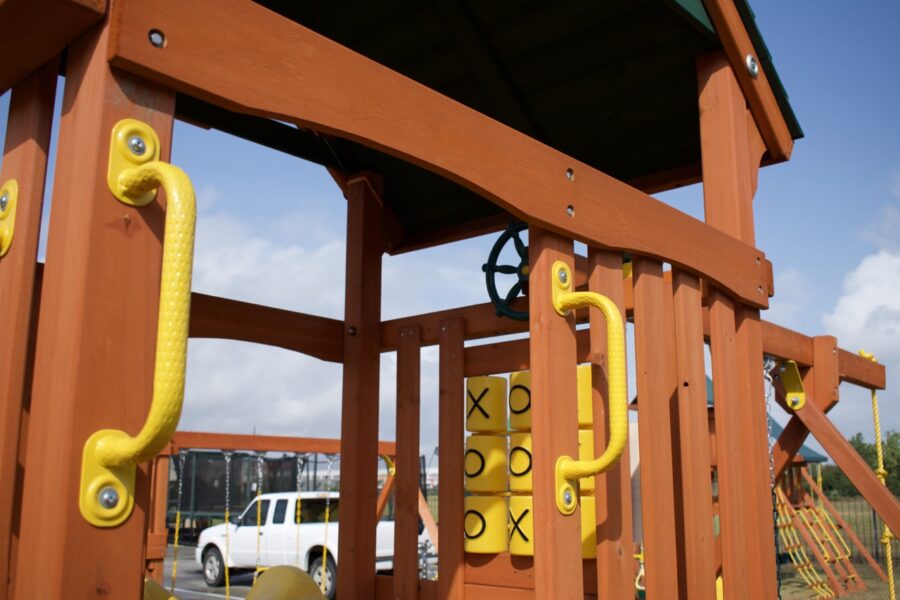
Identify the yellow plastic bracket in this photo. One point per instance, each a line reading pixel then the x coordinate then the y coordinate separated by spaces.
pixel 569 470
pixel 9 196
pixel 794 394
pixel 110 457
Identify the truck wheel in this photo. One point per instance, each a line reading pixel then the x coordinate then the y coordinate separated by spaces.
pixel 213 568
pixel 330 575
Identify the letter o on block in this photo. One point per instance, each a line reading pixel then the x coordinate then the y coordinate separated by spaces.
pixel 486 404
pixel 520 401
pixel 520 462
pixel 485 524
pixel 485 463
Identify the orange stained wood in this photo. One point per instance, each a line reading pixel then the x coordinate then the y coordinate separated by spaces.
pixel 428 520
pixel 213 317
pixel 25 160
pixel 730 160
pixel 840 522
pixel 833 581
pixel 157 533
pixel 528 178
pixel 694 484
pixel 384 495
pixel 451 384
pixel 359 412
pixel 615 534
pixel 96 337
pixel 406 497
pixel 826 378
pixel 655 377
pixel 758 91
pixel 32 32
pixel 263 443
pixel 844 567
pixel 557 537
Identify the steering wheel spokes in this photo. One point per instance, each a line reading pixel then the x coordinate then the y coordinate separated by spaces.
pixel 503 305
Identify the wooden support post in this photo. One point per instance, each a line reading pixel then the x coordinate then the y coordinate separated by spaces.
pixel 406 532
pixel 557 538
pixel 25 160
pixel 158 534
pixel 731 151
pixel 96 337
pixel 450 464
pixel 359 411
pixel 655 364
pixel 694 483
pixel 615 533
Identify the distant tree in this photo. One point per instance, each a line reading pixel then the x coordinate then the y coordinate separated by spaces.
pixel 836 484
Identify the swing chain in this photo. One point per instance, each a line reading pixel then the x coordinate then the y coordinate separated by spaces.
pixel 227 454
pixel 302 460
pixel 259 484
pixel 182 455
pixel 769 365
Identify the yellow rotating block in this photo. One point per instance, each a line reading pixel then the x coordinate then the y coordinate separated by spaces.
pixel 521 526
pixel 520 401
pixel 486 404
pixel 586 452
pixel 485 463
pixel 520 462
pixel 585 402
pixel 588 527
pixel 485 524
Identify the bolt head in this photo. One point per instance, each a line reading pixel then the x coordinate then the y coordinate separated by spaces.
pixel 108 497
pixel 4 202
pixel 137 145
pixel 567 497
pixel 563 277
pixel 752 66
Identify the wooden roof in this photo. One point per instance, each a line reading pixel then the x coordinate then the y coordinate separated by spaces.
pixel 610 83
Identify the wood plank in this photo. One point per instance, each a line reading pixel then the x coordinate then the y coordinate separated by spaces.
pixel 527 179
pixel 785 344
pixel 554 433
pixel 517 572
pixel 615 533
pixel 450 465
pixel 25 160
pixel 196 440
pixel 158 527
pixel 655 364
pixel 359 408
pixel 694 483
pixel 214 317
pixel 758 91
pixel 826 378
pixel 96 337
pixel 34 31
pixel 860 371
pixel 406 497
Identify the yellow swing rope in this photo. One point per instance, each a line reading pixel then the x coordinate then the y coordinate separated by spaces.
pixel 301 463
pixel 227 454
pixel 181 457
pixel 324 567
pixel 259 482
pixel 881 472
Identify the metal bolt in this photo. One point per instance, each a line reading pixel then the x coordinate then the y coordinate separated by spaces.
pixel 752 66
pixel 4 202
pixel 570 210
pixel 563 277
pixel 108 497
pixel 137 145
pixel 157 38
pixel 567 497
pixel 570 174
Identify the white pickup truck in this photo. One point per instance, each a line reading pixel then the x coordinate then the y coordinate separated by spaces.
pixel 283 542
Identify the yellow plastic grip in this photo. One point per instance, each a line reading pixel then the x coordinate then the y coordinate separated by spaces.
pixel 110 456
pixel 568 469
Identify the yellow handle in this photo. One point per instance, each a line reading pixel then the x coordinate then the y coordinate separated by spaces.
pixel 567 468
pixel 110 456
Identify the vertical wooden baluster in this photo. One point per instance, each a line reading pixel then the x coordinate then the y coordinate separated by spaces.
pixel 406 522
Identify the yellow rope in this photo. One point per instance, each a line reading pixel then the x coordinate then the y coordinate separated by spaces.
pixel 227 547
pixel 881 472
pixel 258 512
pixel 175 546
pixel 324 567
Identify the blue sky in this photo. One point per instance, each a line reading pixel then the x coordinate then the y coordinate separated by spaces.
pixel 271 231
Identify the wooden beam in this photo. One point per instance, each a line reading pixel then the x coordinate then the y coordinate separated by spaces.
pixel 384 495
pixel 757 90
pixel 655 363
pixel 615 533
pixel 214 317
pixel 453 233
pixel 34 31
pixel 157 531
pixel 197 440
pixel 25 161
pixel 557 537
pixel 96 337
pixel 860 371
pixel 451 384
pixel 527 178
pixel 406 498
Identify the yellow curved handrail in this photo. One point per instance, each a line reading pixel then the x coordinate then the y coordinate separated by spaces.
pixel 564 301
pixel 110 456
pixel 116 449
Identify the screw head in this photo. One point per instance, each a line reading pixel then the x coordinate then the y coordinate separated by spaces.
pixel 108 497
pixel 563 277
pixel 4 201
pixel 752 66
pixel 137 145
pixel 567 497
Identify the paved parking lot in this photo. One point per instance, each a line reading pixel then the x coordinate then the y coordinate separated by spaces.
pixel 189 584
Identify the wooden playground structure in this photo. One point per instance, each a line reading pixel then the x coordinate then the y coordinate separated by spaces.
pixel 439 124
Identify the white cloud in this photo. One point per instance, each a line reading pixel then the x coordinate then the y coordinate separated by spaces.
pixel 867 315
